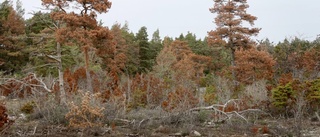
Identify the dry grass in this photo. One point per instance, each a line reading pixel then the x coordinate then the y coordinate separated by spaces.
pixel 257 92
pixel 223 87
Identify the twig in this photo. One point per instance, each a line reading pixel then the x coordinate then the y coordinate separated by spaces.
pixel 142 122
pixel 54 58
pixel 239 116
pixel 35 129
pixel 123 120
pixel 317 115
pixel 127 121
pixel 43 84
pixel 40 66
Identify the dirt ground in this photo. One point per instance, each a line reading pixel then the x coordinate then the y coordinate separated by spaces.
pixel 262 128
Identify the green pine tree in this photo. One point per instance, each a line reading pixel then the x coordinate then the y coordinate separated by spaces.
pixel 144 50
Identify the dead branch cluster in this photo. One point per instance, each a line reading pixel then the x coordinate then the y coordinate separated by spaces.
pixel 220 113
pixel 225 112
pixel 30 84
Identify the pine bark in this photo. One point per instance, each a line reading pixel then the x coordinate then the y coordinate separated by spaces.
pixel 60 70
pixel 233 64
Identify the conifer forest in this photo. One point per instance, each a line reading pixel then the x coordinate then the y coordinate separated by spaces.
pixel 63 73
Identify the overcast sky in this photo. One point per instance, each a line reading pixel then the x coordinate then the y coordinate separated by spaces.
pixel 278 19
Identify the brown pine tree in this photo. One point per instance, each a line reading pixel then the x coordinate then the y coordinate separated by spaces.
pixel 311 62
pixel 186 65
pixel 81 28
pixel 113 52
pixel 253 65
pixel 230 32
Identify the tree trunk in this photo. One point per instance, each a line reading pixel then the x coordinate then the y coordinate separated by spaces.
pixel 60 70
pixel 233 64
pixel 89 81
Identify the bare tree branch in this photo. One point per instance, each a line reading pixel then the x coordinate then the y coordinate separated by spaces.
pixel 221 110
pixel 42 84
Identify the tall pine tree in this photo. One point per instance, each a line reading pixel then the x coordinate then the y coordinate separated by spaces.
pixel 230 32
pixel 144 50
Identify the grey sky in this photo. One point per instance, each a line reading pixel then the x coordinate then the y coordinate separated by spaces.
pixel 278 19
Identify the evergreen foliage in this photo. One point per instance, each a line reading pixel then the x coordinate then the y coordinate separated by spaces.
pixel 13 53
pixel 145 54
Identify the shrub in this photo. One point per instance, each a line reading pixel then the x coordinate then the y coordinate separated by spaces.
pixel 28 108
pixel 314 88
pixel 4 121
pixel 144 91
pixel 139 99
pixel 49 110
pixel 86 114
pixel 287 94
pixel 204 116
pixel 179 100
pixel 283 95
pixel 313 94
pixel 209 96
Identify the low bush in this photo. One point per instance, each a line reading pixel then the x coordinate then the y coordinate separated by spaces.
pixel 28 108
pixel 86 114
pixel 49 111
pixel 287 96
pixel 4 121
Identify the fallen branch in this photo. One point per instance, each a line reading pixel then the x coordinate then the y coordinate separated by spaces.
pixel 128 122
pixel 221 110
pixel 239 116
pixel 27 82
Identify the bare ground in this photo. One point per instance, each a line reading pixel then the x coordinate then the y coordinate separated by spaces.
pixel 261 128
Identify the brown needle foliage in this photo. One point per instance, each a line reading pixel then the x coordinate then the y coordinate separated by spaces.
pixel 188 65
pixel 180 69
pixel 253 65
pixel 85 115
pixel 4 121
pixel 179 100
pixel 311 62
pixel 74 79
pixel 112 51
pixel 230 30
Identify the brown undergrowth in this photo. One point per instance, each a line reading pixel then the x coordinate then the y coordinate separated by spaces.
pixel 86 114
